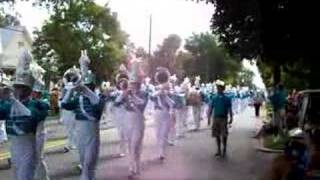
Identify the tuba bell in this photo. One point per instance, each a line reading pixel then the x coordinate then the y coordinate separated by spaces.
pixel 72 77
pixel 162 75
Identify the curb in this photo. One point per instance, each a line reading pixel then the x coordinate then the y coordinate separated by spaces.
pixel 267 150
pixel 261 148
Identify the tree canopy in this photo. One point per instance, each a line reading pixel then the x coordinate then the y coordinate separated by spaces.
pixel 8 20
pixel 268 31
pixel 205 58
pixel 245 78
pixel 166 53
pixel 79 25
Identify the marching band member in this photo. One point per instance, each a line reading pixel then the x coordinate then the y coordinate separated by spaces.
pixel 106 89
pixel 204 93
pixel 69 122
pixel 181 108
pixel 4 85
pixel 4 91
pixel 88 108
pixel 134 100
pixel 149 89
pixel 23 115
pixel 163 109
pixel 195 101
pixel 118 110
pixel 41 172
pixel 172 132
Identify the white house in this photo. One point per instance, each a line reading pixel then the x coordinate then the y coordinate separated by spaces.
pixel 12 39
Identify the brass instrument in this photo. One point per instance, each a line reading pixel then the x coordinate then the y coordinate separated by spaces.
pixel 162 75
pixel 72 77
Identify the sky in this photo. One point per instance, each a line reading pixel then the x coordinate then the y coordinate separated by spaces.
pixel 180 17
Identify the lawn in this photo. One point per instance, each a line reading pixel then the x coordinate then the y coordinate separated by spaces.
pixel 273 142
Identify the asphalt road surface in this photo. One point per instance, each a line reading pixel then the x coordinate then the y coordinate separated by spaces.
pixel 192 158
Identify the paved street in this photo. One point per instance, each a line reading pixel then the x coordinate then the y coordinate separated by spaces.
pixel 191 158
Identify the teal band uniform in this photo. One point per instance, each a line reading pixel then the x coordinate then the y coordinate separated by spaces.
pixel 21 125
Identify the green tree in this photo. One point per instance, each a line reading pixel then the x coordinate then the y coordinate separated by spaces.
pixel 209 60
pixel 184 64
pixel 78 25
pixel 263 30
pixel 245 78
pixel 9 20
pixel 8 16
pixel 142 54
pixel 166 54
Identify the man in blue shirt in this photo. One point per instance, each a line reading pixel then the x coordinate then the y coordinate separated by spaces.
pixel 41 172
pixel 220 107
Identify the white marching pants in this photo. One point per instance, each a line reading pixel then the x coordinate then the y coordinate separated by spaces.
pixel 69 122
pixel 196 111
pixel 172 130
pixel 204 111
pixel 88 146
pixel 41 172
pixel 235 106
pixel 163 122
pixel 3 133
pixel 181 118
pixel 119 118
pixel 23 156
pixel 135 132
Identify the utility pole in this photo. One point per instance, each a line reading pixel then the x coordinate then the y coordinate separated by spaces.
pixel 150 34
pixel 151 70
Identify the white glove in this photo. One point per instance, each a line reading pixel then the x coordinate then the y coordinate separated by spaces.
pixel 93 97
pixel 69 86
pixel 67 95
pixel 18 109
pixel 119 97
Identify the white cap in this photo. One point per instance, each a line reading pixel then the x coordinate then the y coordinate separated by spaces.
pixel 220 83
pixel 105 85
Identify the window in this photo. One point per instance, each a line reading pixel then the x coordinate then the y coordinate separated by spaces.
pixel 20 44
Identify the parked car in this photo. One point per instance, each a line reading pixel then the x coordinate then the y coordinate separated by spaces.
pixel 309 121
pixel 309 113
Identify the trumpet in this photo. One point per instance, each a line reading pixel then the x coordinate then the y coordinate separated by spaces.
pixel 72 77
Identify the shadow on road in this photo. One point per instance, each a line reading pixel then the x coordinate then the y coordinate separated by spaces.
pixel 65 173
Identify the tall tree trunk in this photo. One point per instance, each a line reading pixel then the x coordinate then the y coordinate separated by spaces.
pixel 47 81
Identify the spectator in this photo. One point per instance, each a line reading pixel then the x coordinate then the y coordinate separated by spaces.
pixel 258 100
pixel 291 113
pixel 54 99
